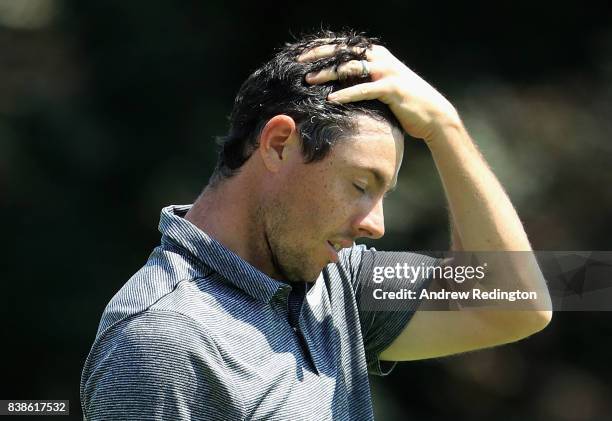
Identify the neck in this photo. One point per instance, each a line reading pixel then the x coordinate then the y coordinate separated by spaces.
pixel 228 212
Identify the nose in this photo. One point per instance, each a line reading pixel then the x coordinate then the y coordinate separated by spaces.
pixel 373 224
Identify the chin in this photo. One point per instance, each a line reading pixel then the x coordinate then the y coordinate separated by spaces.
pixel 309 277
pixel 300 268
pixel 315 274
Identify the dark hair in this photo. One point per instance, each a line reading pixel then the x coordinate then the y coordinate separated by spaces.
pixel 279 87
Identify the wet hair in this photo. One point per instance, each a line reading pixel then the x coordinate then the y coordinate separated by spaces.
pixel 279 87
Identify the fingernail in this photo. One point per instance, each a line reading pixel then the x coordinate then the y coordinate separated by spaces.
pixel 332 97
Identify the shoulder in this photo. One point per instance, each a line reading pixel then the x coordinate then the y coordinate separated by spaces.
pixel 160 276
pixel 149 340
pixel 155 361
pixel 171 332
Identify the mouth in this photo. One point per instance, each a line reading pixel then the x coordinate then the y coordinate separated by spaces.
pixel 333 248
pixel 336 245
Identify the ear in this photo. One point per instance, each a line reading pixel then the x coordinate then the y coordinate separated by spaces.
pixel 278 139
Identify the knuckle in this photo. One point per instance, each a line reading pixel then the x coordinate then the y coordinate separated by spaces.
pixel 390 85
pixel 380 51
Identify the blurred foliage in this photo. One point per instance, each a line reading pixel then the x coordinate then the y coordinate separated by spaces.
pixel 108 112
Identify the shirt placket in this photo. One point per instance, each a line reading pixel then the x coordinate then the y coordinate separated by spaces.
pixel 290 302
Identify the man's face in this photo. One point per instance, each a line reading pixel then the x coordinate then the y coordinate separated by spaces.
pixel 331 202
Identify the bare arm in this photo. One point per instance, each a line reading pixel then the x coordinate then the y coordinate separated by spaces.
pixel 482 216
pixel 483 219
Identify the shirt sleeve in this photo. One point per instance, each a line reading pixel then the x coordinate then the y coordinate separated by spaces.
pixel 382 320
pixel 157 365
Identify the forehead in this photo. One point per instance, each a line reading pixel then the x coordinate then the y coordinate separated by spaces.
pixel 374 145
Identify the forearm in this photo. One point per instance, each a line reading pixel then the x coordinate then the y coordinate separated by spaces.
pixel 481 212
pixel 482 216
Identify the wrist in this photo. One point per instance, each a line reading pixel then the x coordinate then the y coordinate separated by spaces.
pixel 448 129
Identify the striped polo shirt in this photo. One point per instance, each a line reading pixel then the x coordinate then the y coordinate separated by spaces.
pixel 200 334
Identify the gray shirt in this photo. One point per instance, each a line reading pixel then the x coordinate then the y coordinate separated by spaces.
pixel 198 333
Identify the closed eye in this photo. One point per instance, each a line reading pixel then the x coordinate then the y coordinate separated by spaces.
pixel 359 188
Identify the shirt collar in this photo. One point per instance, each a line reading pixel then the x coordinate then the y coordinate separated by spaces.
pixel 177 230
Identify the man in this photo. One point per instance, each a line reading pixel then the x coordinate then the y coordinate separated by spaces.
pixel 249 307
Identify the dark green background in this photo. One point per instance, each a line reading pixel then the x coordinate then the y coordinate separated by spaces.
pixel 108 112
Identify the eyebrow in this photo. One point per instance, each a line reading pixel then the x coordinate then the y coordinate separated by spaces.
pixel 380 179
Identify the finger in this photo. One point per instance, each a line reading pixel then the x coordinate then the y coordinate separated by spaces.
pixel 361 92
pixel 322 76
pixel 324 51
pixel 353 68
pixel 357 69
pixel 317 53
